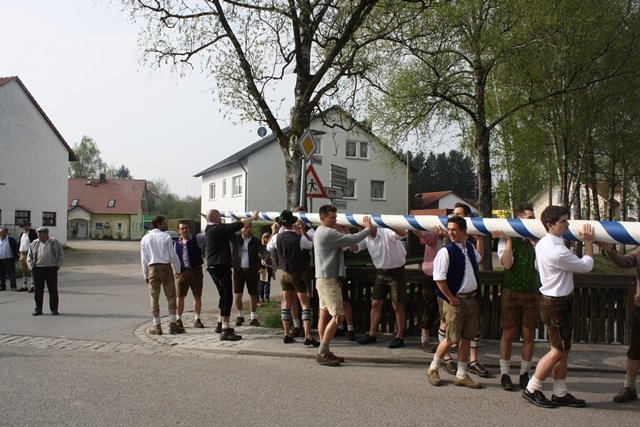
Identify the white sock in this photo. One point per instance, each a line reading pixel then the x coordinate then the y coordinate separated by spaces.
pixel 534 384
pixel 424 337
pixel 225 325
pixel 254 315
pixel 197 317
pixel 172 318
pixel 178 316
pixel 629 381
pixel 560 387
pixel 156 321
pixel 435 363
pixel 296 323
pixel 240 313
pixel 341 327
pixel 349 327
pixel 441 335
pixel 504 367
pixel 525 366
pixel 462 370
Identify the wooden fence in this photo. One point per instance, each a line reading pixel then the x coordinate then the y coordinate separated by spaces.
pixel 602 304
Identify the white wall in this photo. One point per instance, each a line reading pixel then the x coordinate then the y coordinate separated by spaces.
pixel 266 176
pixel 228 202
pixel 35 163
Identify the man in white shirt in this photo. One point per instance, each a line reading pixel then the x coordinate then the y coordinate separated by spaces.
pixel 455 271
pixel 389 257
pixel 157 255
pixel 556 265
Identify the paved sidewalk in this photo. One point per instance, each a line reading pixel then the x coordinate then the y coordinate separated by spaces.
pixel 268 342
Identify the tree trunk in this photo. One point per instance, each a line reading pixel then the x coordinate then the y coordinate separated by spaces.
pixel 484 195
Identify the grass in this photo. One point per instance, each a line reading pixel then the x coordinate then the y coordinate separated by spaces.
pixel 269 313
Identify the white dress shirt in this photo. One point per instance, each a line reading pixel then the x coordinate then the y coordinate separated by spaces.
pixel 556 265
pixel 386 249
pixel 156 247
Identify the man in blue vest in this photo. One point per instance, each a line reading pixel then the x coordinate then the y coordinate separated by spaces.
pixel 455 271
pixel 189 250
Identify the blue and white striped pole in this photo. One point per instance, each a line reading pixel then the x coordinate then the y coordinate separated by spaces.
pixel 605 231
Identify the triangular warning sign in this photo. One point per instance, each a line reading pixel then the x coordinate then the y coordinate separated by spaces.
pixel 314 186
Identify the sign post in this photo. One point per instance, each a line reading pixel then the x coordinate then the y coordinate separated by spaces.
pixel 308 147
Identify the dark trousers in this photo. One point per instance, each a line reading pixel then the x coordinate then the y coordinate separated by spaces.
pixel 221 275
pixel 264 289
pixel 7 266
pixel 48 275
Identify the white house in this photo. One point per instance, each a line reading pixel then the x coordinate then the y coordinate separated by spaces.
pixel 35 166
pixel 541 200
pixel 254 178
pixel 441 202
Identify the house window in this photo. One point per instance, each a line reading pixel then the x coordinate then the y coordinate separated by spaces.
pixel 49 218
pixel 377 190
pixel 224 188
pixel 74 203
pixel 212 191
pixel 364 150
pixel 22 216
pixel 118 226
pixel 318 145
pixel 236 185
pixel 351 148
pixel 99 226
pixel 111 203
pixel 357 149
pixel 350 190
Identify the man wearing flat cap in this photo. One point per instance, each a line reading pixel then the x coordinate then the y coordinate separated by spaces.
pixel 44 260
pixel 289 246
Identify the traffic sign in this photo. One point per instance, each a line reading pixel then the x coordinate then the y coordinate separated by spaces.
pixel 307 144
pixel 339 204
pixel 338 176
pixel 314 186
pixel 334 192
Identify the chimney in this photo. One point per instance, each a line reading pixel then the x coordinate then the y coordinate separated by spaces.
pixel 103 178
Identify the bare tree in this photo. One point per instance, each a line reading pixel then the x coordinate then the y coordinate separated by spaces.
pixel 254 48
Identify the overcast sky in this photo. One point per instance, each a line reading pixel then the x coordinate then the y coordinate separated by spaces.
pixel 80 61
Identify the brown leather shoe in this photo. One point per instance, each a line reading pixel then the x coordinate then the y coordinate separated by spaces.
pixel 198 324
pixel 326 359
pixel 434 377
pixel 175 328
pixel 155 330
pixel 467 382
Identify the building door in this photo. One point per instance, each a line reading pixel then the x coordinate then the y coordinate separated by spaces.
pixel 82 230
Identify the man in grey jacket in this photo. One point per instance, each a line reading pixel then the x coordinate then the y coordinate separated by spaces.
pixel 329 261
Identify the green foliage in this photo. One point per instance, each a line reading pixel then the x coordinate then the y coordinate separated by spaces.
pixel 442 172
pixel 163 202
pixel 89 164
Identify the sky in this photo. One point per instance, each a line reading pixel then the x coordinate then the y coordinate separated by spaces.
pixel 81 62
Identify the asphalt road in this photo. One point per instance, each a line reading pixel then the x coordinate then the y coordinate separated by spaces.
pixel 104 299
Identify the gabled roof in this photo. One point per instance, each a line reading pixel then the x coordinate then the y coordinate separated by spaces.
pixel 5 80
pixel 434 196
pixel 242 154
pixel 245 152
pixel 94 197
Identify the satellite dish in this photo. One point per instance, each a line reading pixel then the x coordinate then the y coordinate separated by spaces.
pixel 262 131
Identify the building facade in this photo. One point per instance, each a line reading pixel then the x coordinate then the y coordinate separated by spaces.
pixel 254 178
pixel 35 167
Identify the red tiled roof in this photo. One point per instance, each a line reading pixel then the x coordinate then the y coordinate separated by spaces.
pixel 429 198
pixel 127 193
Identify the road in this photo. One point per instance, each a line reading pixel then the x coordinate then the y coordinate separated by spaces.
pixel 87 367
